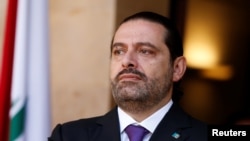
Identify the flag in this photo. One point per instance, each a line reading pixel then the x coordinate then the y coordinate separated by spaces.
pixel 6 68
pixel 30 102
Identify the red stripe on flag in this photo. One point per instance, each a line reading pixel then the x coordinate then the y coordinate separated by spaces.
pixel 6 72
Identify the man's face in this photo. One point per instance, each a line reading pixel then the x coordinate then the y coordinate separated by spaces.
pixel 141 72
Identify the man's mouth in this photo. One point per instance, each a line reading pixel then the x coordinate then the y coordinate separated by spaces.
pixel 129 77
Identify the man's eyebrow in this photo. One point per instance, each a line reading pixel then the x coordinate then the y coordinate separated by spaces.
pixel 117 44
pixel 146 44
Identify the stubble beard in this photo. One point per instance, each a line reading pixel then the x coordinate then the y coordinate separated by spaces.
pixel 136 97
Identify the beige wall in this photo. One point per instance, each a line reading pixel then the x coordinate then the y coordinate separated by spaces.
pixel 80 35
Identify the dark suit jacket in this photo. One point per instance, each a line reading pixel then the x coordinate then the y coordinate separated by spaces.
pixel 106 128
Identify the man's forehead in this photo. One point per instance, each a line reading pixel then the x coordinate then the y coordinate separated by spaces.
pixel 136 31
pixel 139 22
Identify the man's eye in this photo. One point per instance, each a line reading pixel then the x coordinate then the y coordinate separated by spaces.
pixel 118 52
pixel 144 51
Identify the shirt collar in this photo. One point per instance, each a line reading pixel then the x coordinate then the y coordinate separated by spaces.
pixel 150 123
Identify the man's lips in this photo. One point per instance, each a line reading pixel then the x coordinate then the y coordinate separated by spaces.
pixel 129 77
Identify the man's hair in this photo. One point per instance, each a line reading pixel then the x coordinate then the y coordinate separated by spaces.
pixel 172 40
pixel 172 37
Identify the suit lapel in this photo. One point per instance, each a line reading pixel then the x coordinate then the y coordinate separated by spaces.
pixel 172 125
pixel 110 128
pixel 169 129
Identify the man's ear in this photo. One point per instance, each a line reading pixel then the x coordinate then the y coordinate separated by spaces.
pixel 179 68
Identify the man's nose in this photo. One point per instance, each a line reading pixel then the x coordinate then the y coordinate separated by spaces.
pixel 129 60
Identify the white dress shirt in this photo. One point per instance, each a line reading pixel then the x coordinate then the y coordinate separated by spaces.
pixel 150 123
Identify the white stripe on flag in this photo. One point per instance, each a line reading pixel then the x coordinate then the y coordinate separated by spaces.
pixel 38 105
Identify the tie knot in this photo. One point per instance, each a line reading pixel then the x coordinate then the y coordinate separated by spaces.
pixel 136 133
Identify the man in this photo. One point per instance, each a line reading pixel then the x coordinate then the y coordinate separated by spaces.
pixel 147 63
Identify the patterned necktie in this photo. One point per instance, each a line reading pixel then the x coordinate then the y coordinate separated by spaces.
pixel 136 133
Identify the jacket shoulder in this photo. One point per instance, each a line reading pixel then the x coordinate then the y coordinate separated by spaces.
pixel 74 130
pixel 81 123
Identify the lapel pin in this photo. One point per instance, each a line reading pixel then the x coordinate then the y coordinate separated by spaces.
pixel 176 135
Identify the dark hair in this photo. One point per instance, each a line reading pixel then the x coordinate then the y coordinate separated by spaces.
pixel 172 37
pixel 172 40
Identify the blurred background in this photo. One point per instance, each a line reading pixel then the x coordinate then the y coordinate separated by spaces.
pixel 216 44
